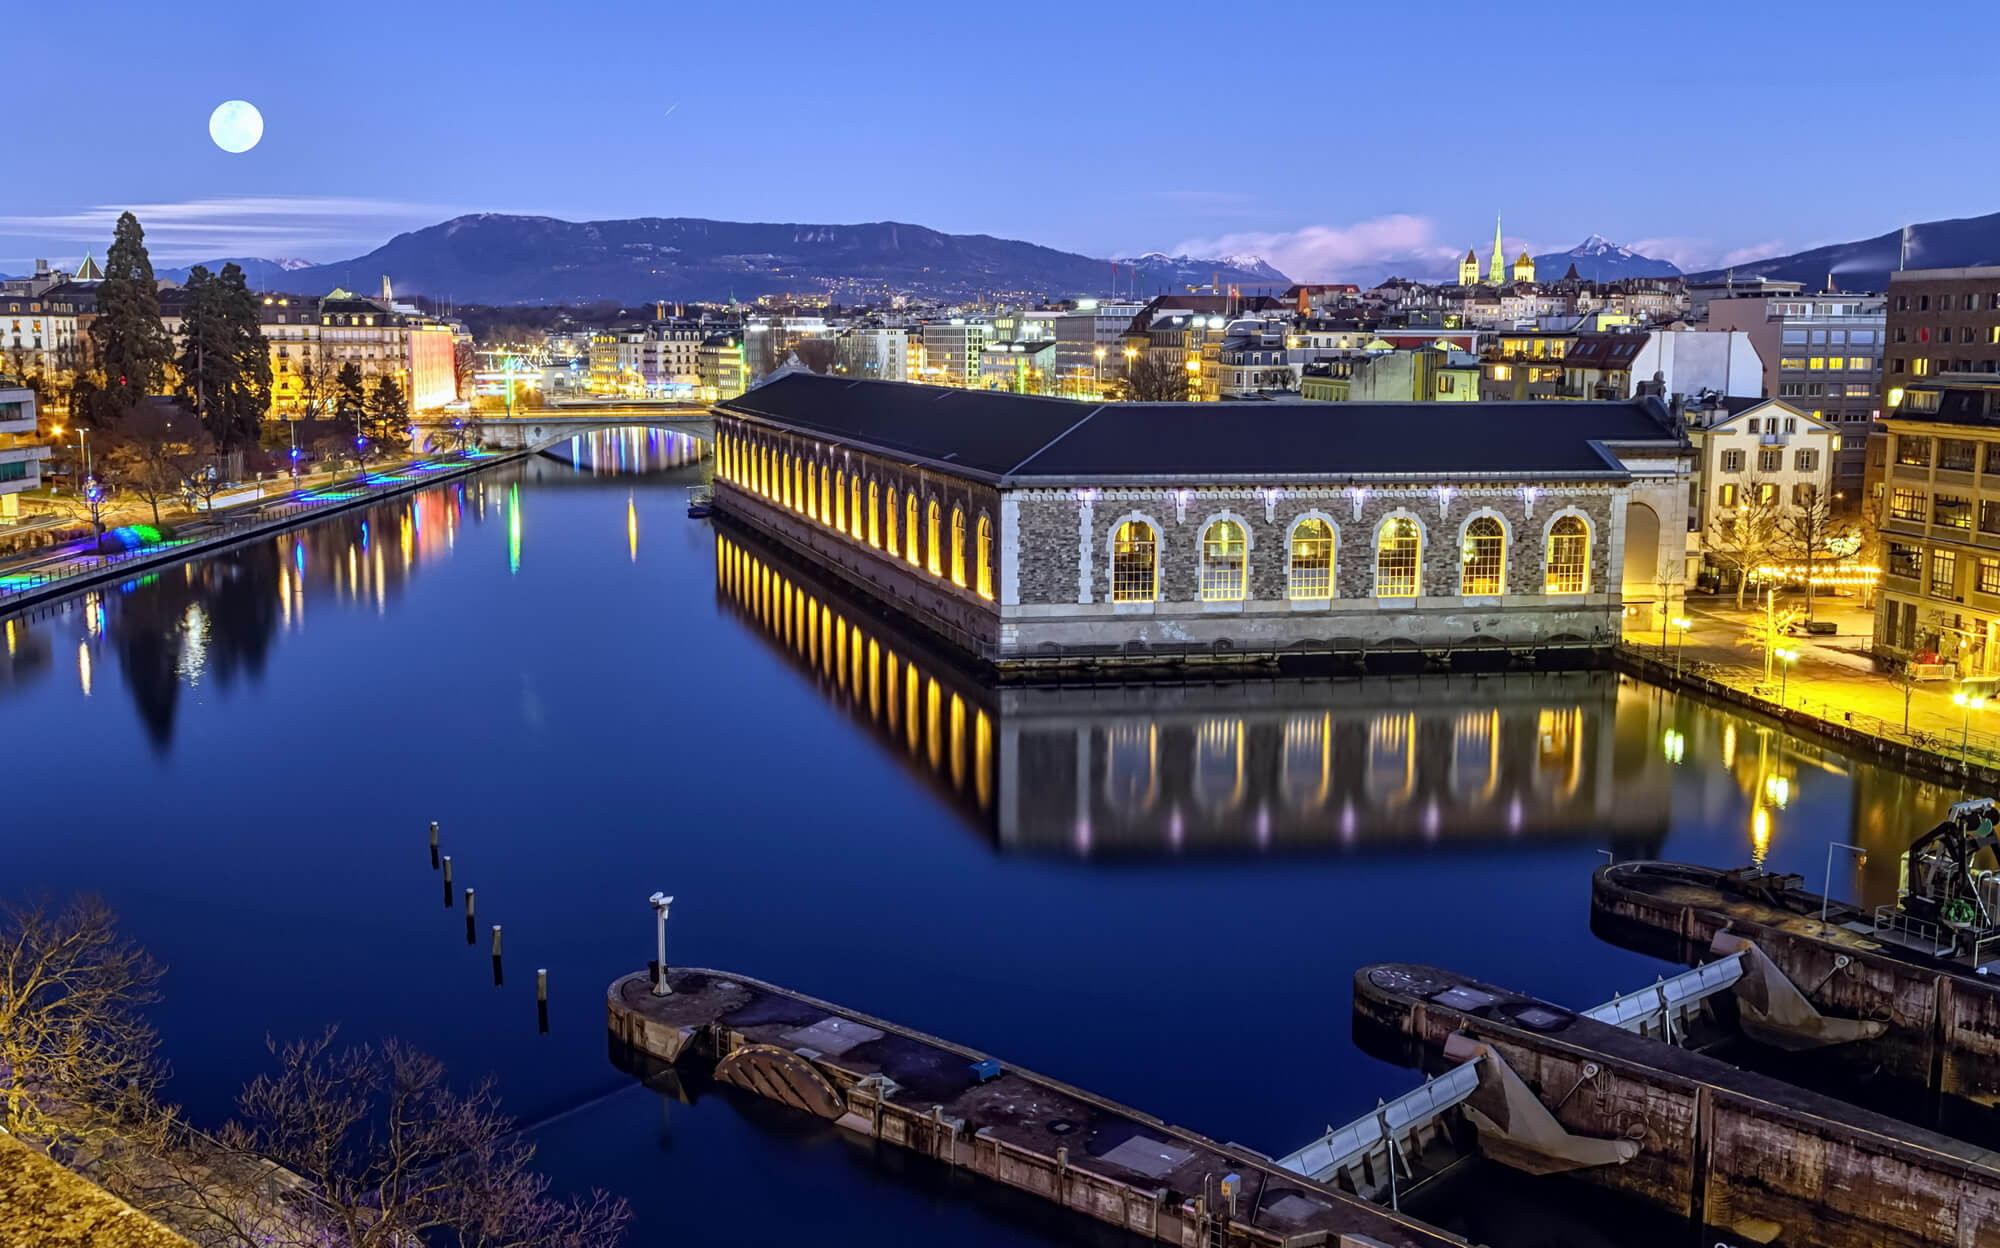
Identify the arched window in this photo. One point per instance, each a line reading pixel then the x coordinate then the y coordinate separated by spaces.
pixel 812 494
pixel 985 582
pixel 958 546
pixel 1135 563
pixel 1569 557
pixel 1222 560
pixel 840 501
pixel 1398 546
pixel 874 514
pixel 1483 561
pixel 889 521
pixel 934 538
pixel 1312 560
pixel 825 494
pixel 854 506
pixel 910 535
pixel 762 481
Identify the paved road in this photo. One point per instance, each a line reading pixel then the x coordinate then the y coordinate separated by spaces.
pixel 1835 675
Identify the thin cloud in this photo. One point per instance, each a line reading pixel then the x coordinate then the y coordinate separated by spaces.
pixel 202 229
pixel 1693 255
pixel 1400 243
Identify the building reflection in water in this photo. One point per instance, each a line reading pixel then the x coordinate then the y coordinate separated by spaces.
pixel 1278 765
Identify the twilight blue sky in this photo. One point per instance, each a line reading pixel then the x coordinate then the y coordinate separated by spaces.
pixel 1318 134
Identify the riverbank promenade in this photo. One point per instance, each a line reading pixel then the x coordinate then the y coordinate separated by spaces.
pixel 1834 678
pixel 58 570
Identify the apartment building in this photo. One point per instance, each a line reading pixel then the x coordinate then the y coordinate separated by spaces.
pixel 952 349
pixel 1751 449
pixel 1822 354
pixel 21 452
pixel 1939 486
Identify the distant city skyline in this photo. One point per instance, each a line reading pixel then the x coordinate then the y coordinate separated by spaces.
pixel 1320 140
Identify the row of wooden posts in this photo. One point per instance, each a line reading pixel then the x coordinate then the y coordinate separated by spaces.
pixel 443 862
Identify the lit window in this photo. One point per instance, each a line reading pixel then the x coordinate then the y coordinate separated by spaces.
pixel 1835 361
pixel 1944 573
pixel 1908 504
pixel 1397 547
pixel 889 521
pixel 854 507
pixel 825 494
pixel 1222 560
pixel 874 517
pixel 1483 561
pixel 1989 576
pixel 1134 563
pixel 985 557
pixel 1726 497
pixel 812 494
pixel 1860 361
pixel 910 535
pixel 840 501
pixel 1568 569
pixel 934 538
pixel 958 546
pixel 1312 560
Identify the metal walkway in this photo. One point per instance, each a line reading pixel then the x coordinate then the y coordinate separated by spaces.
pixel 1367 1153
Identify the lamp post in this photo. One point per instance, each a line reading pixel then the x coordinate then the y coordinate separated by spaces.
pixel 1100 369
pixel 1967 704
pixel 1787 657
pixel 1681 624
pixel 660 903
pixel 1826 894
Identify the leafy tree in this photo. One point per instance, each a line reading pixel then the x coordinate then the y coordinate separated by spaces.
pixel 388 412
pixel 352 403
pixel 76 1056
pixel 1770 630
pixel 131 344
pixel 224 364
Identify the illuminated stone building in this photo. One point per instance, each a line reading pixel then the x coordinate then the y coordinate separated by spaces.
pixel 21 451
pixel 1030 530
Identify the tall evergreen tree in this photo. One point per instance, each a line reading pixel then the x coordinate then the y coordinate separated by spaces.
pixel 224 365
pixel 132 346
pixel 352 392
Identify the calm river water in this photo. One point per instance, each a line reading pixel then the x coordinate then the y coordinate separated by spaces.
pixel 1159 894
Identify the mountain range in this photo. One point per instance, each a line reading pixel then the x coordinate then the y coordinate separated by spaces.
pixel 502 259
pixel 1962 242
pixel 1598 259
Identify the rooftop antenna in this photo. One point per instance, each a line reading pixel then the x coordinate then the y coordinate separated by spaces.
pixel 1903 251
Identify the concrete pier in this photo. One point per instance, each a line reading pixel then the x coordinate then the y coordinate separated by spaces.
pixel 1941 1021
pixel 965 1109
pixel 1749 1157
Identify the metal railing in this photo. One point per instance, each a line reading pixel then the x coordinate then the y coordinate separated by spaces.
pixel 13 584
pixel 1974 746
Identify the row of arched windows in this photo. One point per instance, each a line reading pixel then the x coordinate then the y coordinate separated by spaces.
pixel 833 498
pixel 1399 541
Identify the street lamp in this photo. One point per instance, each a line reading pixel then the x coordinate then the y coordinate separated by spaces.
pixel 1967 703
pixel 1787 657
pixel 660 903
pixel 1825 894
pixel 1681 625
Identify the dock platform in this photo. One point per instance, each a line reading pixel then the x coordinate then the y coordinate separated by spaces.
pixel 1747 1155
pixel 967 1109
pixel 1941 1021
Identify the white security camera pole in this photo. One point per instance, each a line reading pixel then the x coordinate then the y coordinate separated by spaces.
pixel 660 903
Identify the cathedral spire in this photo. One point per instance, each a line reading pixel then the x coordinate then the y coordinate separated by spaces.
pixel 1496 271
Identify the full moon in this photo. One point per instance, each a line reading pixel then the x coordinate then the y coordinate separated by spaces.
pixel 236 125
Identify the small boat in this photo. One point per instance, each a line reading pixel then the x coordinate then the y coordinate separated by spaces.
pixel 701 501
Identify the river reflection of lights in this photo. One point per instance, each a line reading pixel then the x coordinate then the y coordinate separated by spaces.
pixel 633 449
pixel 194 644
pixel 1674 745
pixel 83 665
pixel 632 526
pixel 514 528
pixel 1777 791
pixel 1760 835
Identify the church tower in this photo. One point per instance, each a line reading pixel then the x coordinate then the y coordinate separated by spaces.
pixel 1524 268
pixel 1497 272
pixel 1468 269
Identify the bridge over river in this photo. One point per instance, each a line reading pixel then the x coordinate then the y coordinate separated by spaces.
pixel 539 428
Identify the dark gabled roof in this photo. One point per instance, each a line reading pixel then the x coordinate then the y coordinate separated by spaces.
pixel 1606 351
pixel 1022 438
